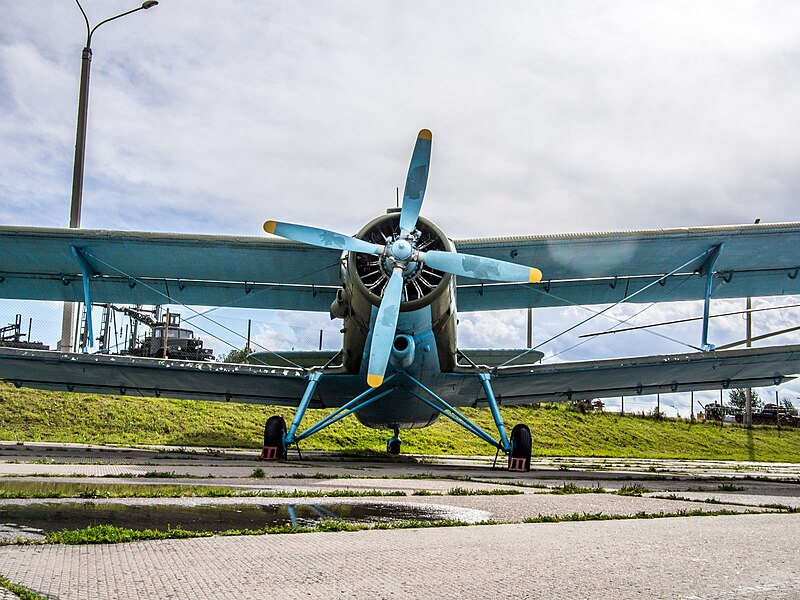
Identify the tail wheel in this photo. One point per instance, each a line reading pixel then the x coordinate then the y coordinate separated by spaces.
pixel 274 437
pixel 521 443
pixel 393 446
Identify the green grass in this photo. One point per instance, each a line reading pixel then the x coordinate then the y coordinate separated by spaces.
pixel 34 415
pixel 729 487
pixel 571 488
pixel 21 591
pixel 110 534
pixel 639 515
pixel 459 491
pixel 633 489
pixel 47 489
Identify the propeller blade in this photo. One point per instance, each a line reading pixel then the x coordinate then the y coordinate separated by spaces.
pixel 321 237
pixel 385 328
pixel 416 181
pixel 479 267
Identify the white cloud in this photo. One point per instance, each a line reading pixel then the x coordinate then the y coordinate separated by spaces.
pixel 547 117
pixel 559 116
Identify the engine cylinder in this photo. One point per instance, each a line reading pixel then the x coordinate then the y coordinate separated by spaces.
pixel 421 286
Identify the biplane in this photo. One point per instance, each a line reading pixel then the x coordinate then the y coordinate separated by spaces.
pixel 396 285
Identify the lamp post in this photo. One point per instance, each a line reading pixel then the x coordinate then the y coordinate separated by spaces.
pixel 67 321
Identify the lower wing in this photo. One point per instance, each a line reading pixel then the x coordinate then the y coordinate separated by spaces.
pixel 721 370
pixel 153 377
pixel 512 385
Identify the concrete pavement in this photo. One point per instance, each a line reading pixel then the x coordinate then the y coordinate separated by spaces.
pixel 748 556
pixel 708 557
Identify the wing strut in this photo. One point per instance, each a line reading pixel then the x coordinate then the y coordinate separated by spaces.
pixel 708 270
pixel 357 403
pixel 87 272
pixel 446 409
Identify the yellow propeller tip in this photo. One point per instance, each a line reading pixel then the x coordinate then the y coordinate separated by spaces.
pixel 425 134
pixel 374 380
pixel 269 226
pixel 535 276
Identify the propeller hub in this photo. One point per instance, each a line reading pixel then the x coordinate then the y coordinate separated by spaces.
pixel 401 249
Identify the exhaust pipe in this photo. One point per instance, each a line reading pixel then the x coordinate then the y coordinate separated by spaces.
pixel 402 351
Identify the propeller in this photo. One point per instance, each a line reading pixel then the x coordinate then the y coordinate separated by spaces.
pixel 321 237
pixel 400 252
pixel 416 182
pixel 480 267
pixel 384 330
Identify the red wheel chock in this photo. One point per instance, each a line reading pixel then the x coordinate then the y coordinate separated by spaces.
pixel 517 464
pixel 269 453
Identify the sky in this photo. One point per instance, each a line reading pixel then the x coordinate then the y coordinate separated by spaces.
pixel 547 117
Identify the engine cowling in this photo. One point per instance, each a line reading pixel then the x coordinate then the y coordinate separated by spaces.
pixel 366 276
pixel 370 275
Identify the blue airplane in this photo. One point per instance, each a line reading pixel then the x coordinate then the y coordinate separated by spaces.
pixel 396 284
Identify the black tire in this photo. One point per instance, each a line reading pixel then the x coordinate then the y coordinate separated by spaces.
pixel 274 432
pixel 393 447
pixel 521 444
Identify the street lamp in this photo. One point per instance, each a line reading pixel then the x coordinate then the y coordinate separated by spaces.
pixel 67 333
pixel 83 105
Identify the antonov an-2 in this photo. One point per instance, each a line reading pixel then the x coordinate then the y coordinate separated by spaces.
pixel 395 285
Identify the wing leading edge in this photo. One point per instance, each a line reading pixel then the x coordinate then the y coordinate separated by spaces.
pixel 604 268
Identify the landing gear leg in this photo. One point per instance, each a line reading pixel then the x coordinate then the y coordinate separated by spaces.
pixel 519 459
pixel 393 445
pixel 519 446
pixel 276 438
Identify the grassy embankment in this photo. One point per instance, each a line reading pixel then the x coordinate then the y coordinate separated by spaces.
pixel 33 415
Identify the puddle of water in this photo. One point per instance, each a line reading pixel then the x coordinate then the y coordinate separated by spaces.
pixel 35 520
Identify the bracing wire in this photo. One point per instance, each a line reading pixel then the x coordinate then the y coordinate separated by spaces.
pixel 623 321
pixel 603 311
pixel 197 313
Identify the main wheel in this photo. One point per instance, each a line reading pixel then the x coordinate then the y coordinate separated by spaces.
pixel 274 436
pixel 521 444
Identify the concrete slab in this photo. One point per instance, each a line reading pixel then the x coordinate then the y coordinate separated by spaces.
pixel 667 558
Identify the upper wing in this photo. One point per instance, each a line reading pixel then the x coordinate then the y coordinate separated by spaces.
pixel 727 369
pixel 604 268
pixel 164 268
